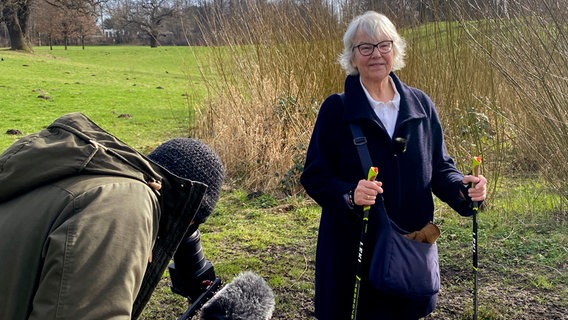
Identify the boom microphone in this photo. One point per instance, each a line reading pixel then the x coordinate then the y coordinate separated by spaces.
pixel 247 297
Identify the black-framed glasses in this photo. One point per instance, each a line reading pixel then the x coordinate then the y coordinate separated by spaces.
pixel 366 49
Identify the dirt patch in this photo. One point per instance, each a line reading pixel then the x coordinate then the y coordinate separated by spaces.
pixel 499 297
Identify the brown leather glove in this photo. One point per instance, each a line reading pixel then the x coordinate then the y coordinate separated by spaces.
pixel 428 234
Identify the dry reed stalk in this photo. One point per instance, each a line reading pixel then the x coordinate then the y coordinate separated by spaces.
pixel 529 48
pixel 264 98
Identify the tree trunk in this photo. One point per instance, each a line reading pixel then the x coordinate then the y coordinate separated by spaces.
pixel 16 16
pixel 153 40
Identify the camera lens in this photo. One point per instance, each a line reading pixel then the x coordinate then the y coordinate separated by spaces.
pixel 190 272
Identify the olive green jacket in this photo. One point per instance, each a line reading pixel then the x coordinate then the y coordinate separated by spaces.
pixel 41 176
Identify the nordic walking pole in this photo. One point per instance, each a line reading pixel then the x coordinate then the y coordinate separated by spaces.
pixel 373 172
pixel 475 171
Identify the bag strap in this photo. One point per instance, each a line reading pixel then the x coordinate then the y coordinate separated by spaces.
pixel 360 142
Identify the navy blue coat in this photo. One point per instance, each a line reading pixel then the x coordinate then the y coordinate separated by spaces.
pixel 333 167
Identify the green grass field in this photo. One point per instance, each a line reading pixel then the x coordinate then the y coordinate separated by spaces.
pixel 156 88
pixel 523 242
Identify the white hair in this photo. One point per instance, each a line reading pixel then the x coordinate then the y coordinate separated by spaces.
pixel 373 24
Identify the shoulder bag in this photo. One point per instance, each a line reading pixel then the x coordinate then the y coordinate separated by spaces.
pixel 399 266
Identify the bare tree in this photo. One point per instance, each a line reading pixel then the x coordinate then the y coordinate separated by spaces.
pixel 84 26
pixel 62 22
pixel 46 19
pixel 87 7
pixel 15 14
pixel 148 15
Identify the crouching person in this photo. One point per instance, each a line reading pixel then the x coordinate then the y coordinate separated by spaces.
pixel 88 224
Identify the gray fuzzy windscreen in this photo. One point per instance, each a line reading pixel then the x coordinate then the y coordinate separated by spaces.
pixel 247 297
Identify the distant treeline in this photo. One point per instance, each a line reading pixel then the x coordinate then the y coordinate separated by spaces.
pixel 181 22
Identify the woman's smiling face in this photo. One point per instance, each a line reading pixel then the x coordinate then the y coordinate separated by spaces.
pixel 375 67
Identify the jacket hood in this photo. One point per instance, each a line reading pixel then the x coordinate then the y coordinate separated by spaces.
pixel 72 144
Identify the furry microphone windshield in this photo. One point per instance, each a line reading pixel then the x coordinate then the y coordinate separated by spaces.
pixel 247 297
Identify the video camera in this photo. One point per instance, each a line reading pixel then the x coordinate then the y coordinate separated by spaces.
pixel 192 275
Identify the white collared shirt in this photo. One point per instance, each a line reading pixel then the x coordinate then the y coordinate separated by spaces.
pixel 387 112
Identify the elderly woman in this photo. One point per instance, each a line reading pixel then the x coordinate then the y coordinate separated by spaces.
pixel 390 113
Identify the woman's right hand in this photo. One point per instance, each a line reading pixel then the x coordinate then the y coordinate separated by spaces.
pixel 366 192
